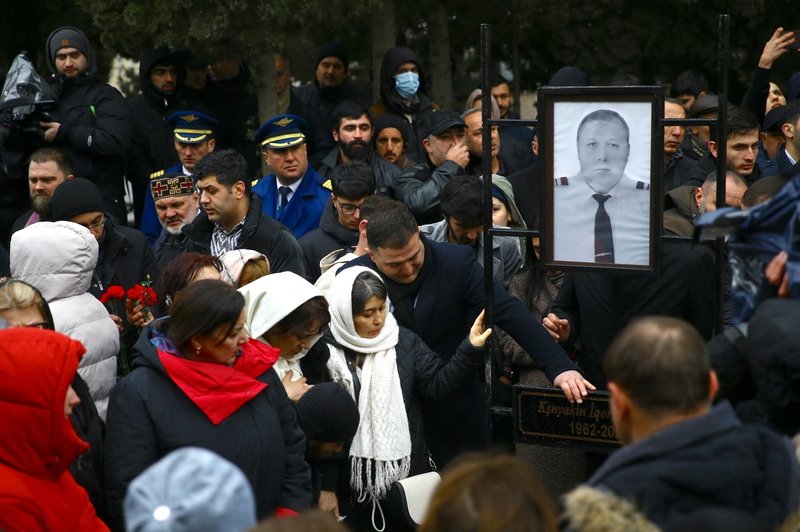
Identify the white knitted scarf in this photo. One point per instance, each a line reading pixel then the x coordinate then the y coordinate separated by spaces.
pixel 380 453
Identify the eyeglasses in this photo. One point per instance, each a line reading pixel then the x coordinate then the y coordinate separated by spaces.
pixel 348 208
pixel 95 225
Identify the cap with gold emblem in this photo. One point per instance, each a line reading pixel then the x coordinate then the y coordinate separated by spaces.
pixel 281 131
pixel 192 127
pixel 169 185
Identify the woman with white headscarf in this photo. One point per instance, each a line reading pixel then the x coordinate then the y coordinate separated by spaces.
pixel 388 370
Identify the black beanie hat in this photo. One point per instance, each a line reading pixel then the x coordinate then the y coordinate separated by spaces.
pixel 327 413
pixel 74 197
pixel 333 49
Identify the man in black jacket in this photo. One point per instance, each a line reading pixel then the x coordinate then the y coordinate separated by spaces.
pixel 446 156
pixel 231 218
pixel 338 227
pixel 161 77
pixel 680 454
pixel 436 290
pixel 315 101
pixel 91 118
pixel 352 130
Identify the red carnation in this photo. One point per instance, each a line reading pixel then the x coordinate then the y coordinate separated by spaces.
pixel 135 292
pixel 115 292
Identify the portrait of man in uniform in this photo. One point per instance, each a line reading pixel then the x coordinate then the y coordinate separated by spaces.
pixel 601 195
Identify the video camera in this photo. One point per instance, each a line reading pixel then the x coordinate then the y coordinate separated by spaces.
pixel 25 101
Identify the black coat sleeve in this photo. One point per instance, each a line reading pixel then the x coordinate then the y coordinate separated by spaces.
pixel 111 132
pixel 286 255
pixel 755 97
pixel 435 379
pixel 296 487
pixel 514 318
pixel 130 446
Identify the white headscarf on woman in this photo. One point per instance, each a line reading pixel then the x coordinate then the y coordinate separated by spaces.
pixel 381 450
pixel 268 300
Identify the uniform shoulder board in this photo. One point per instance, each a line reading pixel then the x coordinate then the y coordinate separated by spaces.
pixel 327 184
pixel 156 174
pixel 641 185
pixel 561 182
pixel 255 182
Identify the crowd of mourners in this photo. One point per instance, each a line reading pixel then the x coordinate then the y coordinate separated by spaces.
pixel 237 351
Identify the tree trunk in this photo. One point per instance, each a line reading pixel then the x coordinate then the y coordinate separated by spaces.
pixel 439 64
pixel 263 70
pixel 384 32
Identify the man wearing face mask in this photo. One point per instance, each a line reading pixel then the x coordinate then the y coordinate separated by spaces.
pixel 404 94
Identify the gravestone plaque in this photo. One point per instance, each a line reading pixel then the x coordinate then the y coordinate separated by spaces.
pixel 544 416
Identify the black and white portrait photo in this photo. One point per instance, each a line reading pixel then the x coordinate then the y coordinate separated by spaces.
pixel 601 183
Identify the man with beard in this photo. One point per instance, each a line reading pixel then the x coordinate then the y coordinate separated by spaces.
pixel 194 137
pixel 176 203
pixel 161 77
pixel 352 131
pixel 91 118
pixel 48 168
pixel 293 193
pixel 315 101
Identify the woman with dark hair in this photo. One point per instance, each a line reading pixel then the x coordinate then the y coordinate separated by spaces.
pixel 22 305
pixel 182 271
pixel 199 380
pixel 388 370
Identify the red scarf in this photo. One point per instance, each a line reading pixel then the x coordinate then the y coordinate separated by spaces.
pixel 219 390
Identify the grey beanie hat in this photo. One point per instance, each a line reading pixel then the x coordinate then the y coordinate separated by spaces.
pixel 190 489
pixel 68 37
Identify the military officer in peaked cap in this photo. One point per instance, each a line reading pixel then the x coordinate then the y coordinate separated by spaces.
pixel 194 134
pixel 293 193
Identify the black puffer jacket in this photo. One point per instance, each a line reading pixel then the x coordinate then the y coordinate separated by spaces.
pixel 329 236
pixel 96 127
pixel 424 376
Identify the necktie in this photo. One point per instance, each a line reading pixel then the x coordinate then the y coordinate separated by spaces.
pixel 603 241
pixel 284 192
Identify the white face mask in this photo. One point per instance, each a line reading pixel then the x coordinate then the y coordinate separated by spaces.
pixel 406 84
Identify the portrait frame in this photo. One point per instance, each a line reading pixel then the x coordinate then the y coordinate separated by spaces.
pixel 601 203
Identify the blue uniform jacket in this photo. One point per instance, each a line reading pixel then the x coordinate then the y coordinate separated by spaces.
pixel 304 210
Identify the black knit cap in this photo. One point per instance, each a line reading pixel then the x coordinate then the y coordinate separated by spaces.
pixel 390 120
pixel 74 197
pixel 327 413
pixel 333 49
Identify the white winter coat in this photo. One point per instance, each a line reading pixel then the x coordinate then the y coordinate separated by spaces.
pixel 58 258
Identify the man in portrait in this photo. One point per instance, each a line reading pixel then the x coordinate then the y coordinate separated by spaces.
pixel 601 215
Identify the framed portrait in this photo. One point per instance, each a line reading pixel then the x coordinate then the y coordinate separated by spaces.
pixel 602 151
